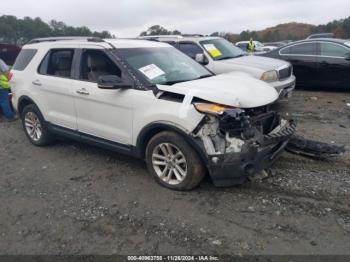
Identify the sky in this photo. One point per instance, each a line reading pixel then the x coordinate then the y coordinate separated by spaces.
pixel 127 18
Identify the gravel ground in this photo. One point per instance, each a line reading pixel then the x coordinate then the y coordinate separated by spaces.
pixel 71 198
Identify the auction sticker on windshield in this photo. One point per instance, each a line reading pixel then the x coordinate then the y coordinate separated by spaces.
pixel 213 51
pixel 151 71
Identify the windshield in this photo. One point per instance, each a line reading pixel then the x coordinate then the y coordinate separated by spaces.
pixel 163 65
pixel 220 49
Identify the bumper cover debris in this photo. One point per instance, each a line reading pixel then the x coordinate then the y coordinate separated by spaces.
pixel 315 149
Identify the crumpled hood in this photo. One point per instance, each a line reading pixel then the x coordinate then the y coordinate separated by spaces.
pixel 232 89
pixel 264 63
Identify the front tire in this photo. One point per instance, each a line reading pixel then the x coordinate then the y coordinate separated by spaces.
pixel 35 126
pixel 173 163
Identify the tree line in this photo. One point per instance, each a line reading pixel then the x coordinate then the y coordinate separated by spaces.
pixel 289 31
pixel 18 31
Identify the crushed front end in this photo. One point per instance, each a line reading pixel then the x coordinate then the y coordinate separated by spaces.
pixel 240 143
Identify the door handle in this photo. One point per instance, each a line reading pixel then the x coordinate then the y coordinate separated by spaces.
pixel 83 91
pixel 37 83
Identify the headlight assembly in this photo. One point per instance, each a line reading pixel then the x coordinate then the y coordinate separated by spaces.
pixel 269 76
pixel 213 109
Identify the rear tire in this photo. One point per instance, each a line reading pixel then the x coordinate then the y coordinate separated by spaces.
pixel 173 163
pixel 35 126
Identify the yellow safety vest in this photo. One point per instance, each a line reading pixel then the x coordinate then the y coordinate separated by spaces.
pixel 251 46
pixel 4 82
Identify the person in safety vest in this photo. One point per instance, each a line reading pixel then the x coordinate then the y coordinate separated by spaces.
pixel 4 93
pixel 251 46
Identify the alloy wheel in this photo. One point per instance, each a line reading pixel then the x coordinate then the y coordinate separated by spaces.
pixel 33 126
pixel 169 163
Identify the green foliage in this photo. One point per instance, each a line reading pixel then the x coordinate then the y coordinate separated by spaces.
pixel 159 30
pixel 19 31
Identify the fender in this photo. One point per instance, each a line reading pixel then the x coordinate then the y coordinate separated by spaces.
pixel 154 128
pixel 23 101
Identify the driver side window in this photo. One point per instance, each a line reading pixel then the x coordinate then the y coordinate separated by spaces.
pixel 96 63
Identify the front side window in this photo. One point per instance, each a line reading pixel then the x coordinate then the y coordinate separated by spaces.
pixel 190 49
pixel 162 65
pixel 330 49
pixel 221 49
pixel 58 62
pixel 300 49
pixel 96 63
pixel 24 58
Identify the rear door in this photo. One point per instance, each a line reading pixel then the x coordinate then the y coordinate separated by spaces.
pixel 303 58
pixel 106 114
pixel 333 68
pixel 53 81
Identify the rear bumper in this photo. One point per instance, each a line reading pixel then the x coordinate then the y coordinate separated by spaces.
pixel 234 168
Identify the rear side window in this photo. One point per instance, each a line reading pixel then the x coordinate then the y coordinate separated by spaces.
pixel 190 49
pixel 58 62
pixel 301 49
pixel 24 58
pixel 329 49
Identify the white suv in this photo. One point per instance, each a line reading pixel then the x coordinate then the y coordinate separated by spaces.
pixel 149 100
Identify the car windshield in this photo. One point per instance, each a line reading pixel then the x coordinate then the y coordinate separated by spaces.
pixel 163 65
pixel 220 49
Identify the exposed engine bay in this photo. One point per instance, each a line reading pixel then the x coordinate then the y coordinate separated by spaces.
pixel 236 128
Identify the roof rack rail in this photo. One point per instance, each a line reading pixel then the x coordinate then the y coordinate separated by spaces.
pixel 67 38
pixel 159 36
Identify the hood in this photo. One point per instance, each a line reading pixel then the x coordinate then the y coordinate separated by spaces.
pixel 264 63
pixel 233 89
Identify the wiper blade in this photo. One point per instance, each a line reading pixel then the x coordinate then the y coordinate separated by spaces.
pixel 181 81
pixel 226 57
pixel 205 76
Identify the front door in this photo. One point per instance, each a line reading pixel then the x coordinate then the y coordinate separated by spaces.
pixel 333 68
pixel 105 114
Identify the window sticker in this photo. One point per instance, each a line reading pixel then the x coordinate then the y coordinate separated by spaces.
pixel 151 71
pixel 213 51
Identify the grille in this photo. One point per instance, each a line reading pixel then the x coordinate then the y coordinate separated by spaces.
pixel 285 73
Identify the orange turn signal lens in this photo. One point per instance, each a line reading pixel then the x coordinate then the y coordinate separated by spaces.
pixel 215 109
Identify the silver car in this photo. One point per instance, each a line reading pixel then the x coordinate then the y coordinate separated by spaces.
pixel 221 56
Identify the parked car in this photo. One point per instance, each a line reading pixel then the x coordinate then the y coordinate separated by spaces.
pixel 318 63
pixel 8 53
pixel 275 44
pixel 148 100
pixel 321 35
pixel 259 47
pixel 220 56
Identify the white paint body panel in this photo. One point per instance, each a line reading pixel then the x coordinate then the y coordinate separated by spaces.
pixel 234 89
pixel 120 115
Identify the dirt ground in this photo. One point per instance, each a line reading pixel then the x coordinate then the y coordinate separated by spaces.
pixel 71 198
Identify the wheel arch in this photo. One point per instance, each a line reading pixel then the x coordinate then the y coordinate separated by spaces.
pixel 23 101
pixel 153 129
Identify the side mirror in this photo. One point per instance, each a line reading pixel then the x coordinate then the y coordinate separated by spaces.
pixel 111 82
pixel 202 59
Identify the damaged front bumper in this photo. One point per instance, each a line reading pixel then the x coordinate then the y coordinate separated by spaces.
pixel 234 158
pixel 234 168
